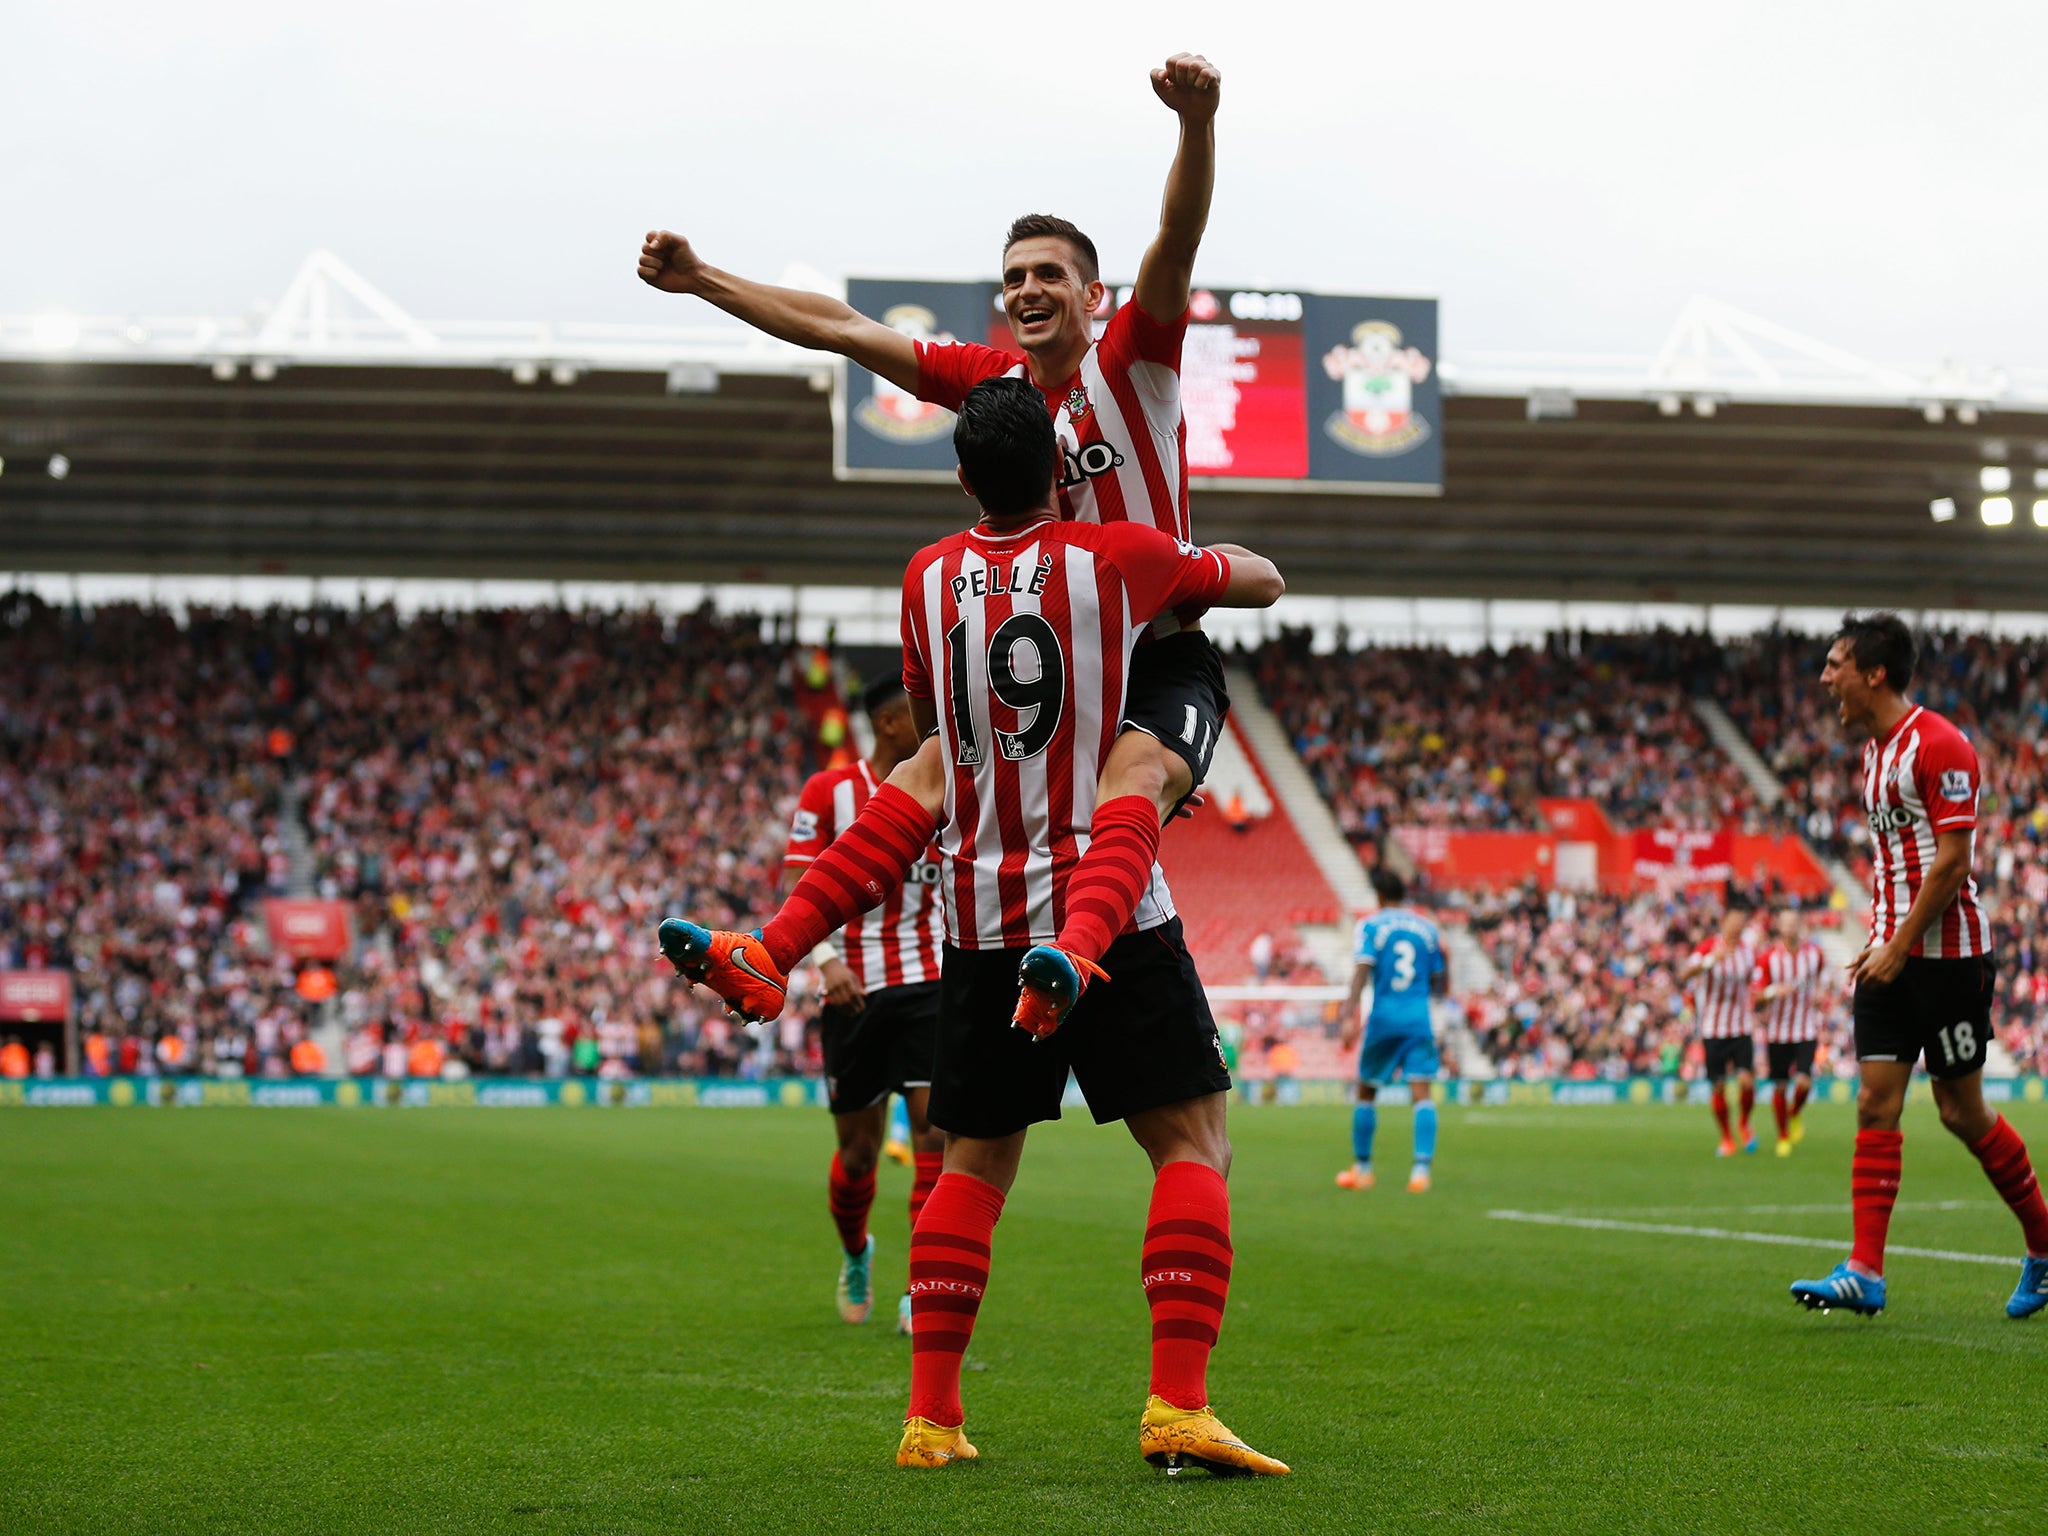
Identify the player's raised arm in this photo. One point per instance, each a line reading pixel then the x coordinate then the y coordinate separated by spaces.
pixel 1192 86
pixel 814 320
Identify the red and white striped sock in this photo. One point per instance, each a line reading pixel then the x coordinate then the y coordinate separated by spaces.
pixel 2006 1164
pixel 923 1178
pixel 871 858
pixel 1873 1187
pixel 949 1251
pixel 1104 888
pixel 851 1200
pixel 1186 1271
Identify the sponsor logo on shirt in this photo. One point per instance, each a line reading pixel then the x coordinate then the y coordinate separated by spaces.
pixel 1955 784
pixel 1082 464
pixel 804 828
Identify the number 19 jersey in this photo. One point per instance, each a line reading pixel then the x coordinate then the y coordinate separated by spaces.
pixel 1022 642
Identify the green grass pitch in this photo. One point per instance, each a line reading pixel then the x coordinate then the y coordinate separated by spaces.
pixel 570 1321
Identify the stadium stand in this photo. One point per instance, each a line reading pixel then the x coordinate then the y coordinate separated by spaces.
pixel 504 799
pixel 1427 737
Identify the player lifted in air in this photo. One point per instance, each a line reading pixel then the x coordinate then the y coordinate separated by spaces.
pixel 1722 970
pixel 881 1016
pixel 1115 402
pixel 1017 636
pixel 1924 982
pixel 1401 953
pixel 1792 987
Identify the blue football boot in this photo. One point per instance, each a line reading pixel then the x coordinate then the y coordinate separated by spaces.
pixel 1049 982
pixel 1843 1287
pixel 2032 1294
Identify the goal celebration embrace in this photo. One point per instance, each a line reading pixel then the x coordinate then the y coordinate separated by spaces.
pixel 839 770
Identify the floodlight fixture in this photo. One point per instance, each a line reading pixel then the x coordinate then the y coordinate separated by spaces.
pixel 1933 413
pixel 1704 405
pixel 1942 509
pixel 2041 511
pixel 224 370
pixel 2041 479
pixel 1967 415
pixel 1996 511
pixel 1994 477
pixel 59 466
pixel 563 373
pixel 525 373
pixel 263 370
pixel 1669 405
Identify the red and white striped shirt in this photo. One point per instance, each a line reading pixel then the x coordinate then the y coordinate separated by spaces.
pixel 1720 994
pixel 1795 1014
pixel 1920 780
pixel 1123 440
pixel 1022 640
pixel 897 944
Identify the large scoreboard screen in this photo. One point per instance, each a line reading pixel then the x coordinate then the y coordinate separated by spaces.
pixel 1280 390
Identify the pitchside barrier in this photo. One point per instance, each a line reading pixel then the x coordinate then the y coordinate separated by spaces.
pixel 809 1093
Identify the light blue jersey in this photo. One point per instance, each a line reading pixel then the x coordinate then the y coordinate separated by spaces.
pixel 1406 954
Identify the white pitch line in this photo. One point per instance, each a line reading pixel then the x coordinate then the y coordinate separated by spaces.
pixel 1781 1239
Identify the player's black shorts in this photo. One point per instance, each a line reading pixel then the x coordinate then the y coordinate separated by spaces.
pixel 1725 1056
pixel 1939 1007
pixel 1792 1059
pixel 885 1048
pixel 1177 694
pixel 1139 1040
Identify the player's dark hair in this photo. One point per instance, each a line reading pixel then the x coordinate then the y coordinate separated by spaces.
pixel 1006 446
pixel 1390 887
pixel 882 692
pixel 1046 226
pixel 1881 640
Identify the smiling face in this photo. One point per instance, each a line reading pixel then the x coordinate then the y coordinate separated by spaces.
pixel 1856 695
pixel 1048 298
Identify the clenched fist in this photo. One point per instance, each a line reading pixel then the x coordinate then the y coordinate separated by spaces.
pixel 1189 84
pixel 668 263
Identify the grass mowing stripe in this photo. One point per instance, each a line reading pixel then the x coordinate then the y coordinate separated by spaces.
pixel 1782 1239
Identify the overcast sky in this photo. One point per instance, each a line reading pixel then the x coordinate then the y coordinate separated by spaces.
pixel 1561 175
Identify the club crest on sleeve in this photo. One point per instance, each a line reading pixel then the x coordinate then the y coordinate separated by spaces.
pixel 1955 784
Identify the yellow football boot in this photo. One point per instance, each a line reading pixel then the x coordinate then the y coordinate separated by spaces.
pixel 1799 1128
pixel 1784 1146
pixel 1177 1438
pixel 926 1444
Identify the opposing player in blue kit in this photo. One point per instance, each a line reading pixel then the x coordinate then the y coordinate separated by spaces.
pixel 1402 954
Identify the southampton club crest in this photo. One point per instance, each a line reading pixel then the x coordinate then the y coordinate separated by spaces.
pixel 1379 376
pixel 896 413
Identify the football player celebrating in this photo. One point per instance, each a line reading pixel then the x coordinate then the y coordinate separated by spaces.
pixel 1116 406
pixel 881 1015
pixel 1401 953
pixel 1017 638
pixel 1924 982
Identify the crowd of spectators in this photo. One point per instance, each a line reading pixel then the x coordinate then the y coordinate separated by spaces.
pixel 507 802
pixel 1427 737
pixel 140 777
pixel 1587 983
